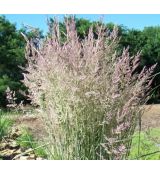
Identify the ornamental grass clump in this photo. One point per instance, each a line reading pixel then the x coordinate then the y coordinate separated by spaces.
pixel 89 97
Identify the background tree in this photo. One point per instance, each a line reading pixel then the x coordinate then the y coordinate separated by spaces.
pixel 148 42
pixel 11 57
pixel 151 55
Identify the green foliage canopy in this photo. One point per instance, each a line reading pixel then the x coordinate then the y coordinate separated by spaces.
pixel 11 57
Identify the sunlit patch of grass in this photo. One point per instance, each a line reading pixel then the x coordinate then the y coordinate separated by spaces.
pixel 149 147
pixel 26 140
pixel 5 124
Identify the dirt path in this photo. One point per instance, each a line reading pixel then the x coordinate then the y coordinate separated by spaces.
pixel 33 125
pixel 150 119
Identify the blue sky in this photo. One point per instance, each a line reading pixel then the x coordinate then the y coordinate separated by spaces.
pixel 131 21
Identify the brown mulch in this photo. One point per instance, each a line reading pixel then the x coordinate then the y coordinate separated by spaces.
pixel 10 149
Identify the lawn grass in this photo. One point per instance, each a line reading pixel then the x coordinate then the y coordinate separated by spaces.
pixel 149 143
pixel 26 140
pixel 5 123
